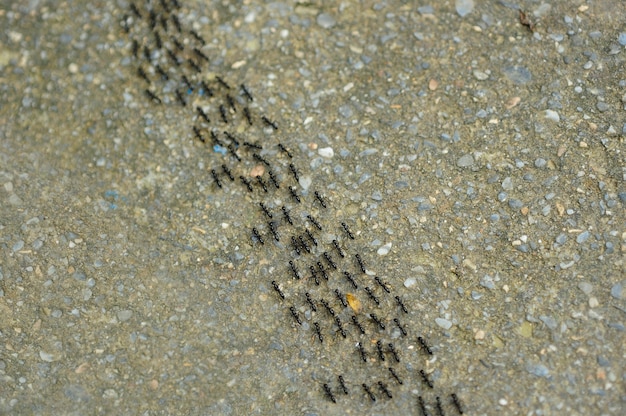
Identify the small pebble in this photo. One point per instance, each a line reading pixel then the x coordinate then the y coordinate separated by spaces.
pixel 124 315
pixel 593 302
pixel 384 250
pixel 410 282
pixel 443 323
pixel 586 287
pixel 480 75
pixel 464 7
pixel 538 370
pixel 326 21
pixel 327 152
pixel 618 291
pixel 582 237
pixel 465 161
pixel 552 116
pixel 622 38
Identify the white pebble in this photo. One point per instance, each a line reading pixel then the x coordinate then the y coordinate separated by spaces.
pixel 411 281
pixel 444 323
pixel 384 250
pixel 326 152
pixel 552 115
pixel 305 182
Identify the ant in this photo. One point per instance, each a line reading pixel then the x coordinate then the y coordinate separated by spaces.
pixel 269 122
pixel 347 230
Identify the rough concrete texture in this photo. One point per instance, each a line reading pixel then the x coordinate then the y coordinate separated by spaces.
pixel 474 150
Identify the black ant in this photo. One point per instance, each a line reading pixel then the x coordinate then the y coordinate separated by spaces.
pixel 383 388
pixel 379 348
pixel 142 74
pixel 228 173
pixel 347 230
pixel 341 298
pixel 222 82
pixel 233 151
pixel 180 98
pixel 358 324
pixel 198 37
pixel 372 296
pixel 338 248
pixel 322 270
pixel 294 171
pixel 161 72
pixel 286 215
pixel 294 194
pixel 215 139
pixel 256 235
pixel 401 304
pixel 378 321
pixel 194 65
pixel 177 44
pixel 330 310
pixel 310 302
pixel 381 284
pixel 223 114
pixel 314 221
pixel 422 406
pixel 246 182
pixel 200 55
pixel 314 275
pixel 173 57
pixel 369 392
pixel 426 379
pixel 439 406
pixel 246 112
pixel 176 22
pixel 252 145
pixel 350 279
pixel 397 322
pixel 304 245
pixel 329 260
pixel 202 114
pixel 261 183
pixel 360 261
pixel 341 330
pixel 294 313
pixel 277 289
pixel 231 102
pixel 318 332
pixel 265 210
pixel 272 226
pixel 393 352
pixel 329 393
pixel 273 177
pixel 362 352
pixel 294 270
pixel 186 82
pixel 198 134
pixel 216 178
pixel 157 40
pixel 295 245
pixel 135 48
pixel 319 198
pixel 424 346
pixel 394 375
pixel 457 403
pixel 269 122
pixel 342 384
pixel 153 96
pixel 261 159
pixel 311 237
pixel 206 88
pixel 246 93
pixel 284 149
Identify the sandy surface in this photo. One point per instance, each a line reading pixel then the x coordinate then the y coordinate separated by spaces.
pixel 478 163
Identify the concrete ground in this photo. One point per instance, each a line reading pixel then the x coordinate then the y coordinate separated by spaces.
pixel 475 151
